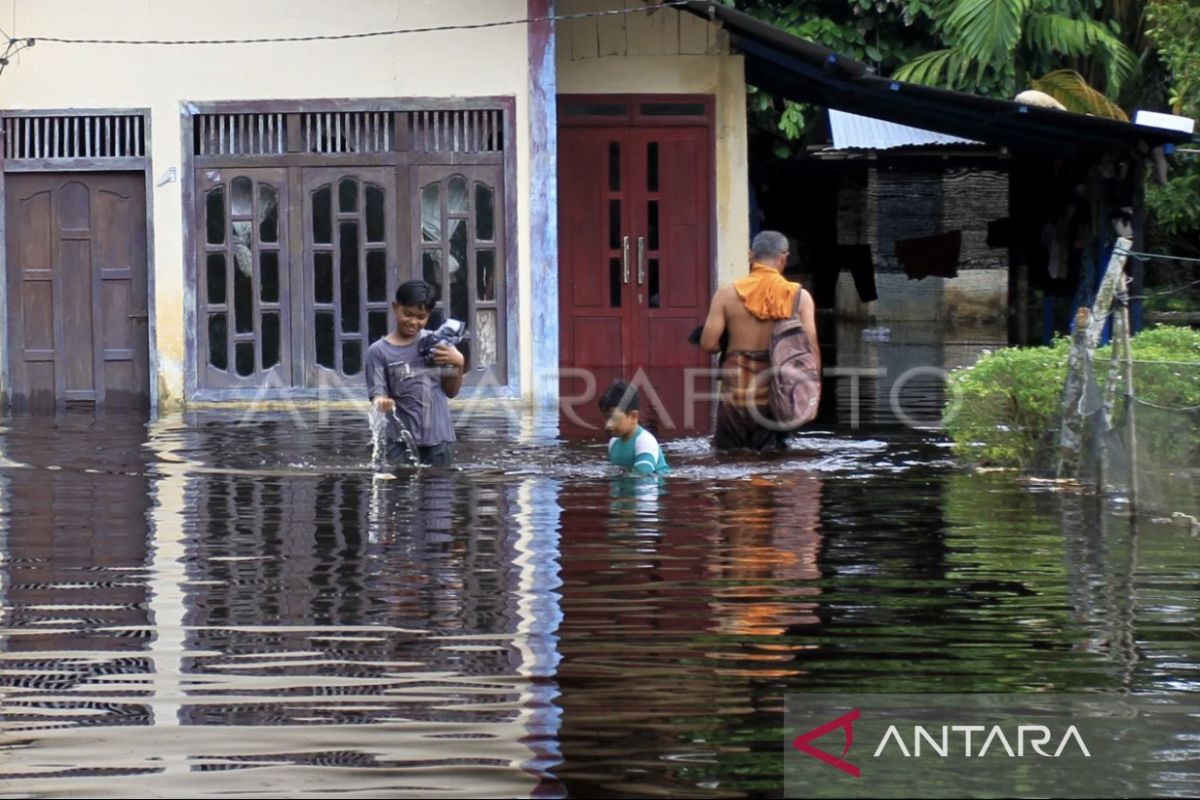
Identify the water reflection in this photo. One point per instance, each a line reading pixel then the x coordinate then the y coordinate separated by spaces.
pixel 223 604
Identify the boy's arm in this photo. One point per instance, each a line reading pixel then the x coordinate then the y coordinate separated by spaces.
pixel 646 453
pixel 714 326
pixel 376 375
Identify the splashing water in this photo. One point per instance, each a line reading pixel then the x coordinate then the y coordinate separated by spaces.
pixel 378 423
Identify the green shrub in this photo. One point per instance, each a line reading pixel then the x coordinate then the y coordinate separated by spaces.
pixel 1005 410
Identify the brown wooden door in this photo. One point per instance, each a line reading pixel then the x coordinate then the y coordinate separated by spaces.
pixel 458 245
pixel 350 269
pixel 244 292
pixel 635 205
pixel 77 306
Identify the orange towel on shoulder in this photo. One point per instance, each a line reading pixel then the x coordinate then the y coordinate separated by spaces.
pixel 766 293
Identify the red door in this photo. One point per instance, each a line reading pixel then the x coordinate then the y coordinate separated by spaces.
pixel 634 270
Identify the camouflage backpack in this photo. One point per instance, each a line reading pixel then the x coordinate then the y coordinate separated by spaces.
pixel 795 376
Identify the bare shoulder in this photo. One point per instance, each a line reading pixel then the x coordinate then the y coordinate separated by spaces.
pixel 726 294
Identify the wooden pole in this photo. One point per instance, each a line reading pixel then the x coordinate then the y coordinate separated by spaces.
pixel 1130 416
pixel 1113 283
pixel 1070 434
pixel 1113 276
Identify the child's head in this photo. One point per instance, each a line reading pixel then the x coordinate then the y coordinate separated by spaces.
pixel 414 301
pixel 619 404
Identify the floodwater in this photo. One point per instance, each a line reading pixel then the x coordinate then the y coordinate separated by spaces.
pixel 234 603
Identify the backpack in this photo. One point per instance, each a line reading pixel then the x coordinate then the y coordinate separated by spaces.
pixel 795 387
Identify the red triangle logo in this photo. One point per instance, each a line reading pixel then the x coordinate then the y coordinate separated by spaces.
pixel 844 722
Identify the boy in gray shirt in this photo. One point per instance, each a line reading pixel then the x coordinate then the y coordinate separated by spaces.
pixel 399 380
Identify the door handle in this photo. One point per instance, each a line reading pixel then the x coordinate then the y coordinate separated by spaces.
pixel 140 315
pixel 641 255
pixel 625 260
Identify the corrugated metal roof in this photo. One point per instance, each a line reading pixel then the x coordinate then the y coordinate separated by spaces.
pixel 856 132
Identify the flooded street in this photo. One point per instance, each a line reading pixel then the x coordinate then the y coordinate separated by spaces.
pixel 233 603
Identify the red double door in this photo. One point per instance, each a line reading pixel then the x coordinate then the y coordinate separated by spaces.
pixel 635 259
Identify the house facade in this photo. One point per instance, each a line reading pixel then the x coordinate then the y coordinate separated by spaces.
pixel 226 219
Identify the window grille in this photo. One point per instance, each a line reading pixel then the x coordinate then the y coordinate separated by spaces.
pixel 239 134
pixel 456 131
pixel 347 132
pixel 69 136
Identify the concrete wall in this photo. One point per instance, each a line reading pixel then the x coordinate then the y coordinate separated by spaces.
pixel 482 62
pixel 668 52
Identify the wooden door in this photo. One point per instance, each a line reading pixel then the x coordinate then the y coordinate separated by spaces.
pixel 671 208
pixel 458 245
pixel 350 269
pixel 595 318
pixel 77 305
pixel 635 206
pixel 243 292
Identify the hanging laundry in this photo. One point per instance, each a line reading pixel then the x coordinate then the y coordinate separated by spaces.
pixel 857 259
pixel 935 255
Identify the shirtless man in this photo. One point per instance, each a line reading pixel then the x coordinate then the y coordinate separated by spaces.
pixel 747 310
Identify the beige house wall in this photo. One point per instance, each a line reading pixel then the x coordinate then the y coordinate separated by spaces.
pixel 458 63
pixel 668 52
pixel 665 52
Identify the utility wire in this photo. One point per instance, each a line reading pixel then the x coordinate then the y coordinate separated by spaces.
pixel 1140 256
pixel 361 35
pixel 1181 409
pixel 1165 292
pixel 1177 363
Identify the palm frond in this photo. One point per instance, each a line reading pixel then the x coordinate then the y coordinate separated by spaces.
pixel 1081 38
pixel 1069 88
pixel 986 31
pixel 936 68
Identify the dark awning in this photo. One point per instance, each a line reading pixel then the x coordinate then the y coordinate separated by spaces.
pixel 800 70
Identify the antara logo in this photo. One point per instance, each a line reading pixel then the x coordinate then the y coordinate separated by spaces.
pixel 944 745
pixel 844 722
pixel 951 735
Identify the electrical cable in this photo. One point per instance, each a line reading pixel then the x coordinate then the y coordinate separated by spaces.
pixel 362 35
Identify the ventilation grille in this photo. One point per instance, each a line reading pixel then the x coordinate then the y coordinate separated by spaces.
pixel 347 132
pixel 456 131
pixel 69 137
pixel 239 134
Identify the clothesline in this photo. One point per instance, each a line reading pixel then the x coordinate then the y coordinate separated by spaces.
pixel 1144 256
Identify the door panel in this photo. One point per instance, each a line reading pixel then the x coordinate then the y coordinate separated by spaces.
pixel 244 338
pixel 595 276
pixel 673 263
pixel 634 225
pixel 350 269
pixel 77 320
pixel 458 245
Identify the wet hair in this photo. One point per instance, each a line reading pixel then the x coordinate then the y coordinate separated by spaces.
pixel 621 396
pixel 768 245
pixel 417 293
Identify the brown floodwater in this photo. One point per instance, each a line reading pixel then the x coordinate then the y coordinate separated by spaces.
pixel 235 603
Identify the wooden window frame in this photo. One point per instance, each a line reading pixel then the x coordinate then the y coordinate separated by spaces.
pixel 406 160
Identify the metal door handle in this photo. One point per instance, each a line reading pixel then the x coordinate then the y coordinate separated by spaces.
pixel 625 260
pixel 140 315
pixel 641 260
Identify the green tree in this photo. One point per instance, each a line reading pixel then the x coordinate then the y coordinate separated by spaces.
pixel 1174 28
pixel 882 33
pixel 1002 47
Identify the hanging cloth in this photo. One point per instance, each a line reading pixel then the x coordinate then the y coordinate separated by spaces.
pixel 766 293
